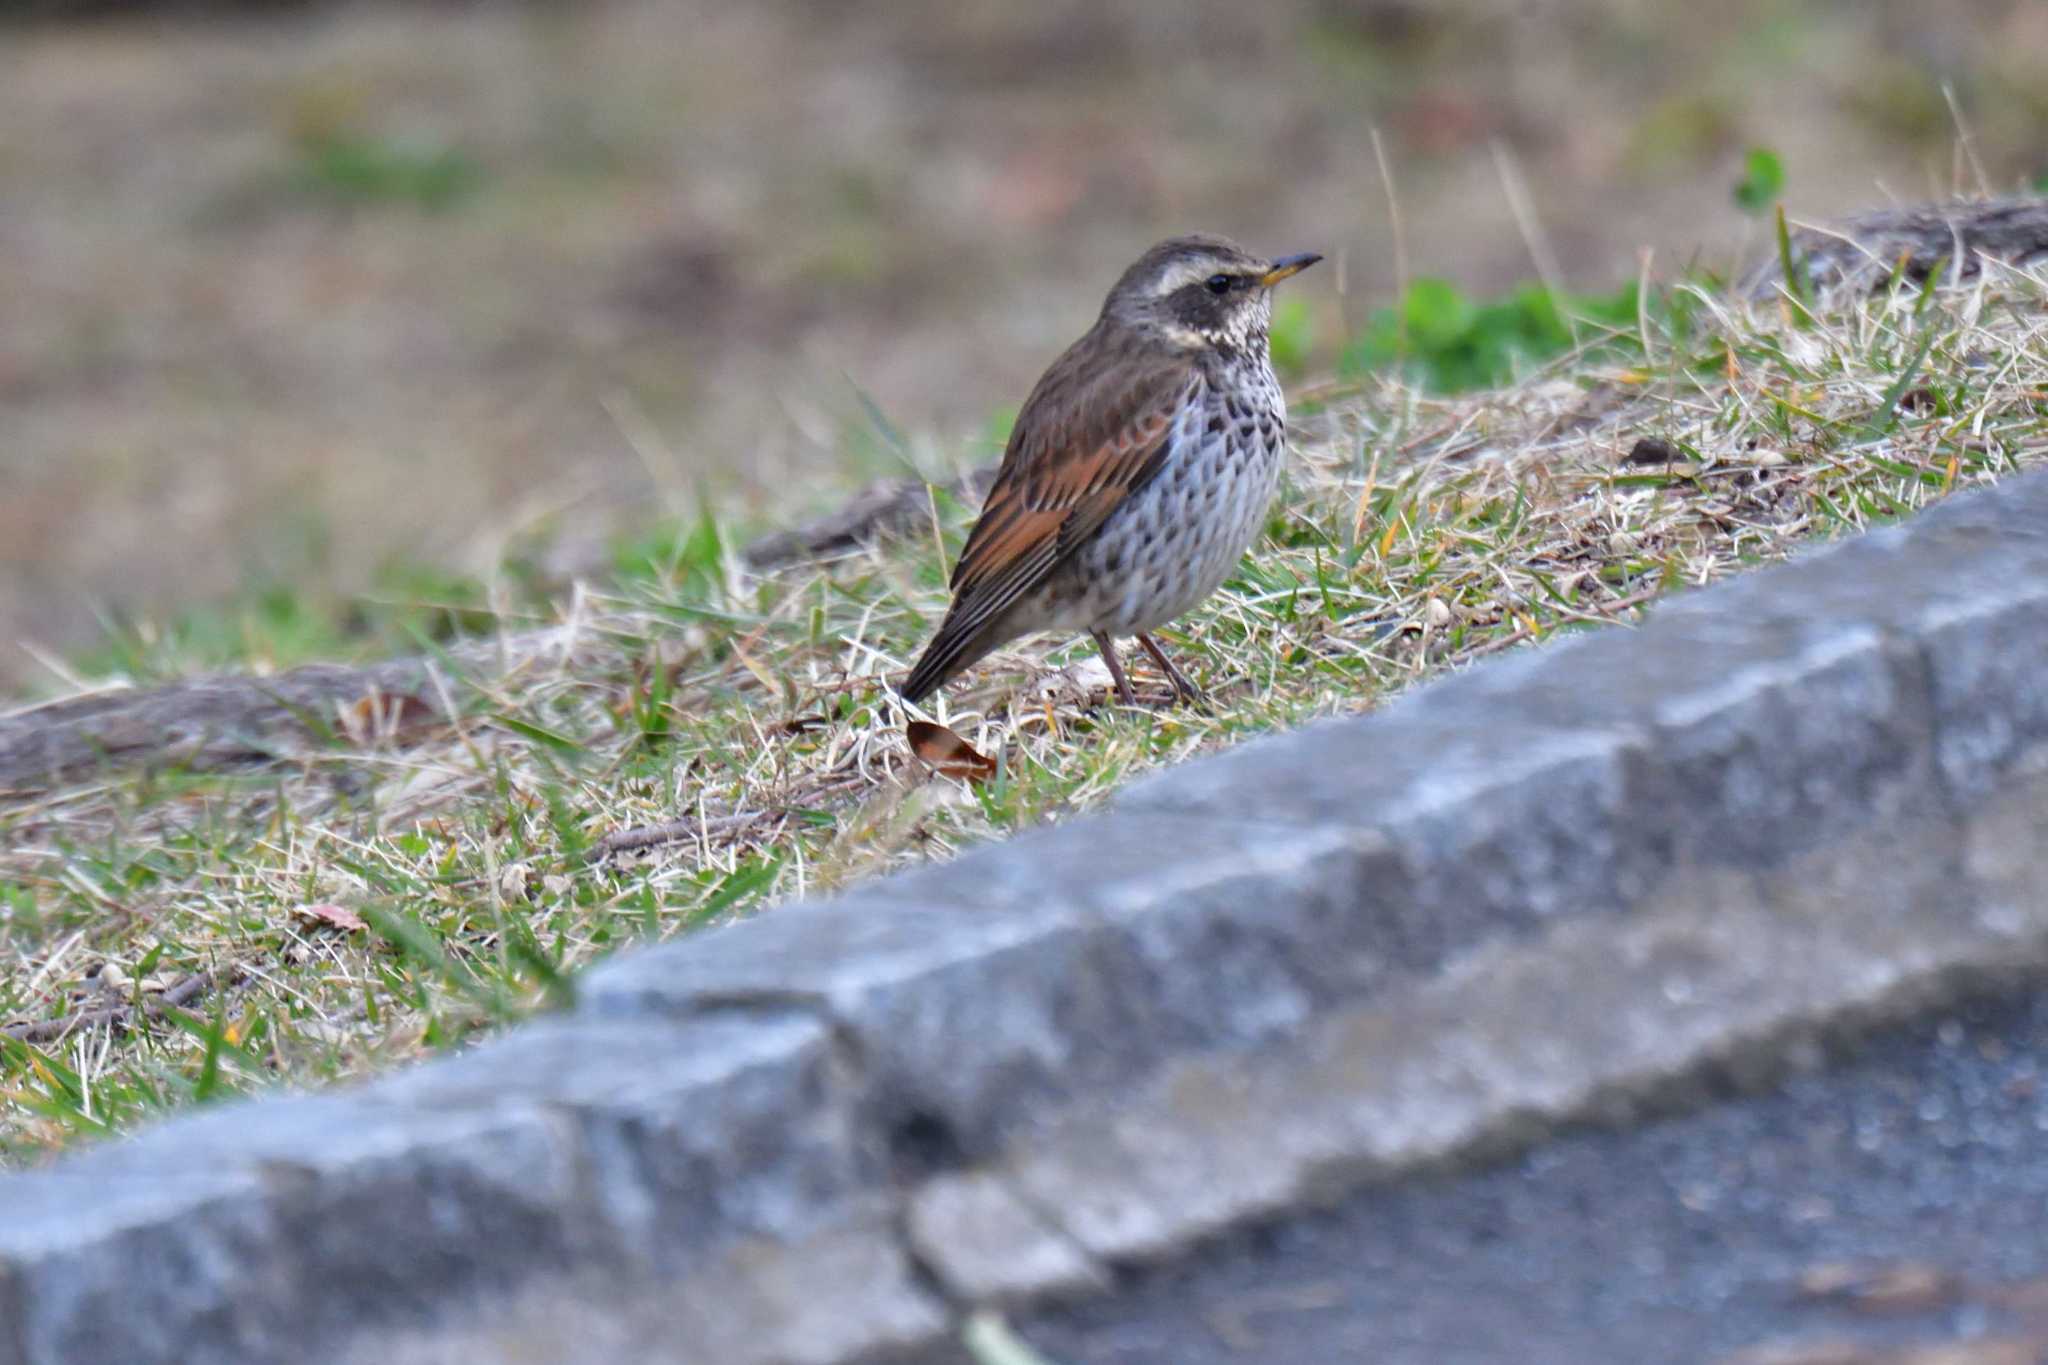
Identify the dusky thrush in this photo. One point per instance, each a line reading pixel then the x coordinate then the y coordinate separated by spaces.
pixel 1139 469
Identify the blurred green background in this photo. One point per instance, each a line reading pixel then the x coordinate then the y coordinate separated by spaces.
pixel 305 297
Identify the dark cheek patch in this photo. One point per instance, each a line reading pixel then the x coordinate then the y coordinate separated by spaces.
pixel 1196 307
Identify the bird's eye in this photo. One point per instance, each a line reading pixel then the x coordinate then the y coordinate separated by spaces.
pixel 1218 284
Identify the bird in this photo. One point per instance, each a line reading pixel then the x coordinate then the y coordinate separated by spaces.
pixel 1138 471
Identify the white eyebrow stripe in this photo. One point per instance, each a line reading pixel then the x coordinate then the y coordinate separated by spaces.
pixel 1185 273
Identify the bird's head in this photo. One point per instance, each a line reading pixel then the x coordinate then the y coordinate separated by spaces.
pixel 1201 293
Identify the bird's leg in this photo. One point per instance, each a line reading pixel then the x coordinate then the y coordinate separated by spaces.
pixel 1183 688
pixel 1116 669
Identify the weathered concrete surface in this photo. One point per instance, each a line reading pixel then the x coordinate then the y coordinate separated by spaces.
pixel 1596 879
pixel 1592 1022
pixel 633 1160
pixel 1887 1209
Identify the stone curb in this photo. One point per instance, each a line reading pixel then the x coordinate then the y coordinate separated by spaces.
pixel 1560 886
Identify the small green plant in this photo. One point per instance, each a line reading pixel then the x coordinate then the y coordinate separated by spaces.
pixel 687 558
pixel 274 625
pixel 1762 183
pixel 1451 343
pixel 1292 336
pixel 357 168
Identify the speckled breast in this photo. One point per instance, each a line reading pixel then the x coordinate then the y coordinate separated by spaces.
pixel 1175 540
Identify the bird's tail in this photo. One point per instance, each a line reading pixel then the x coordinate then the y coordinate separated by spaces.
pixel 951 650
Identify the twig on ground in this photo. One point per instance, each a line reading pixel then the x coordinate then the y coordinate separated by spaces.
pixel 674 831
pixel 180 994
pixel 1522 633
pixel 875 511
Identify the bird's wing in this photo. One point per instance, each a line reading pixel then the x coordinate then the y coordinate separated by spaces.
pixel 1083 443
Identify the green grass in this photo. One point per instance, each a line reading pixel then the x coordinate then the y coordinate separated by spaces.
pixel 1762 183
pixel 277 625
pixel 359 169
pixel 1447 342
pixel 1420 531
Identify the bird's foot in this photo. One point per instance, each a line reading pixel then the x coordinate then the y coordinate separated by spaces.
pixel 1184 689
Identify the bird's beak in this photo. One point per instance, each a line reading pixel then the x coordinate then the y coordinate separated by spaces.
pixel 1287 265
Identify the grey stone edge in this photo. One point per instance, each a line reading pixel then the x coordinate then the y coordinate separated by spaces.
pixel 1561 886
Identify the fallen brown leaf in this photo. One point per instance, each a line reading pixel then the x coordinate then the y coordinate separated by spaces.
pixel 387 718
pixel 1652 450
pixel 947 753
pixel 336 916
